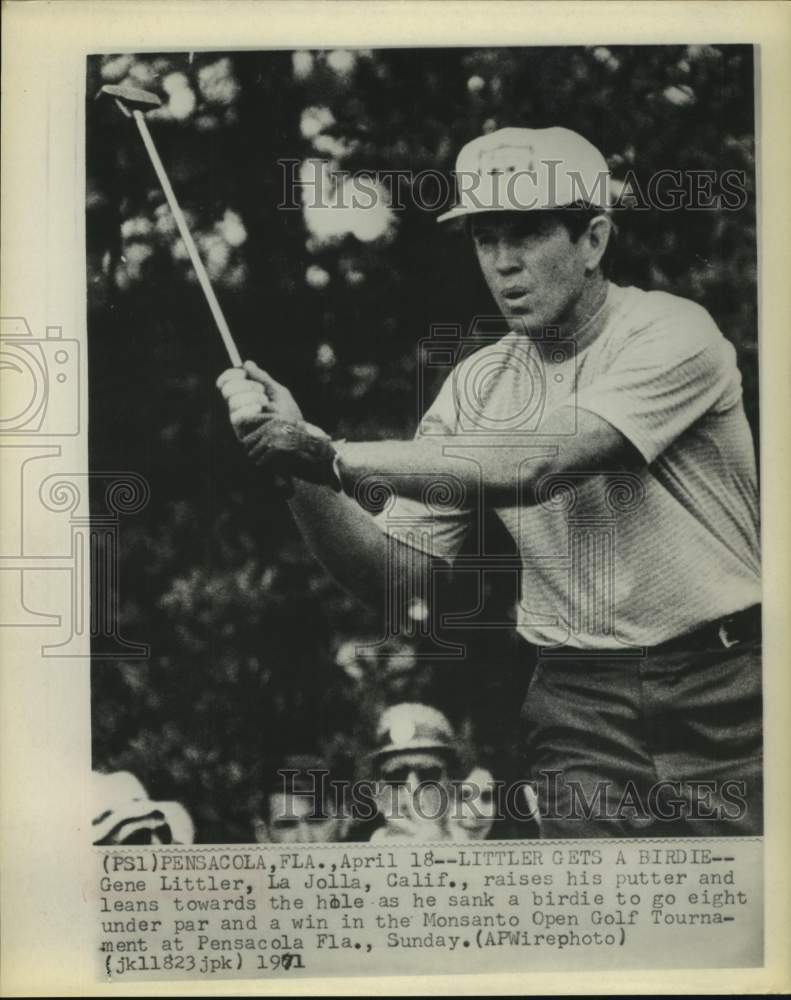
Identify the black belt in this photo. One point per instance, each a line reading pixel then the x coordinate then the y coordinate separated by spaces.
pixel 739 627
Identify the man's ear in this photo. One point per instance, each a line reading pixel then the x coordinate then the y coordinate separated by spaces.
pixel 261 831
pixel 597 238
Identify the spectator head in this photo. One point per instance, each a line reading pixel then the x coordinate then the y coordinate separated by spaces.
pixel 477 803
pixel 299 806
pixel 124 814
pixel 415 755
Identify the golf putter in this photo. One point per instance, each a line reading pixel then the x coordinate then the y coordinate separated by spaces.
pixel 133 103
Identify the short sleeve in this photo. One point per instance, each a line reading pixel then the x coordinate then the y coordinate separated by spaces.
pixel 664 378
pixel 438 526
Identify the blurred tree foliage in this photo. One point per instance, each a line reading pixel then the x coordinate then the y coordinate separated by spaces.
pixel 255 652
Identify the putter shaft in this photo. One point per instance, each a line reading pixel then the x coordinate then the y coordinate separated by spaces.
pixel 189 243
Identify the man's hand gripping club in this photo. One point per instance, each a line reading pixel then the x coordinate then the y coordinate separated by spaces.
pixel 269 424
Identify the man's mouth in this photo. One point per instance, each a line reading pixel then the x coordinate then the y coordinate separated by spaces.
pixel 513 294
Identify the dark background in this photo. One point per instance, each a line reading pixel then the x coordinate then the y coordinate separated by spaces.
pixel 254 651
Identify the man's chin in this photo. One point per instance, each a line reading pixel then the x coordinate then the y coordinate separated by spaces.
pixel 524 317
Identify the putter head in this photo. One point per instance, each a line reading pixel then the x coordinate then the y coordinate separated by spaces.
pixel 130 99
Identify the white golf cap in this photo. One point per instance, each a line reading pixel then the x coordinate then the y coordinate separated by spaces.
pixel 529 169
pixel 411 727
pixel 123 813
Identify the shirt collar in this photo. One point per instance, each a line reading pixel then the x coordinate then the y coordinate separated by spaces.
pixel 589 330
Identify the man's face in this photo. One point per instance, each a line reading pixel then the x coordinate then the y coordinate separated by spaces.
pixel 402 773
pixel 292 821
pixel 414 768
pixel 478 807
pixel 531 265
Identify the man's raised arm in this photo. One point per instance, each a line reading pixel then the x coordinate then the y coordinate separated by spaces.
pixel 340 534
pixel 346 540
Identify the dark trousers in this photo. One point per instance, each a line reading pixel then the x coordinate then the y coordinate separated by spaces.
pixel 667 744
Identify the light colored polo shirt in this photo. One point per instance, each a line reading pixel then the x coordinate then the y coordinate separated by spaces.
pixel 621 558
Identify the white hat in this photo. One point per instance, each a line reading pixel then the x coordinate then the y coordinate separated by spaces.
pixel 123 811
pixel 412 726
pixel 524 169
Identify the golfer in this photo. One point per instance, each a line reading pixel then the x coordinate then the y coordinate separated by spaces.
pixel 606 430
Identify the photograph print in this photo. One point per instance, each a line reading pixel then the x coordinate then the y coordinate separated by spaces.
pixel 433 374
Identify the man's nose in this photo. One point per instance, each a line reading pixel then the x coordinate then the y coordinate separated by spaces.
pixel 411 782
pixel 506 259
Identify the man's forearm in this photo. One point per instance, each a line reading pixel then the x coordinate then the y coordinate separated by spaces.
pixel 411 468
pixel 354 550
pixel 342 536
